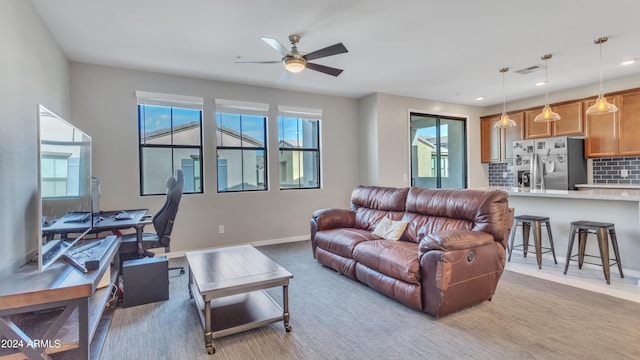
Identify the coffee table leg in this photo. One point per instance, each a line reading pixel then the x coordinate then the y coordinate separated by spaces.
pixel 208 335
pixel 285 300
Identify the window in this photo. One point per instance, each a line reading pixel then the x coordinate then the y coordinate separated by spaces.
pixel 299 147
pixel 241 135
pixel 438 151
pixel 170 138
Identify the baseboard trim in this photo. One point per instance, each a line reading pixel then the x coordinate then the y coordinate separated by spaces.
pixel 176 254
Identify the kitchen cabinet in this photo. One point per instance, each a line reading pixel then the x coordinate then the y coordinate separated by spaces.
pixel 496 143
pixel 570 123
pixel 629 124
pixel 536 130
pixel 571 119
pixel 601 131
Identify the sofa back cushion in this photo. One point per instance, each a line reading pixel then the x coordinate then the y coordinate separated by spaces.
pixel 431 210
pixel 372 203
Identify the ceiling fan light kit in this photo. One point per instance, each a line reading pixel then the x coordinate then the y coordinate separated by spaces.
pixel 602 106
pixel 293 64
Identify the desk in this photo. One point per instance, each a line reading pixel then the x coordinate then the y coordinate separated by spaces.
pixel 60 286
pixel 106 222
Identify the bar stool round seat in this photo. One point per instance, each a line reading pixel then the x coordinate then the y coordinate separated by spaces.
pixel 528 221
pixel 583 228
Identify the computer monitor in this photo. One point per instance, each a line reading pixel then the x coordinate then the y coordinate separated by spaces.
pixel 64 186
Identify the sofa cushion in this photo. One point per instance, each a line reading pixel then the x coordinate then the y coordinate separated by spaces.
pixel 371 204
pixel 342 241
pixel 397 259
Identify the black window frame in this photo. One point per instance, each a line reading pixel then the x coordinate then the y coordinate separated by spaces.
pixel 317 151
pixel 242 149
pixel 171 147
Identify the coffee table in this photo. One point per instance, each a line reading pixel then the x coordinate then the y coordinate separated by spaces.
pixel 227 285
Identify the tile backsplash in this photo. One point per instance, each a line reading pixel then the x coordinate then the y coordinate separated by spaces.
pixel 497 172
pixel 605 171
pixel 610 170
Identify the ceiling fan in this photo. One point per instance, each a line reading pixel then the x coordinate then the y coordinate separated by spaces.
pixel 295 62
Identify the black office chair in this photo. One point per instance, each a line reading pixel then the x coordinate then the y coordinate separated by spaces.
pixel 162 222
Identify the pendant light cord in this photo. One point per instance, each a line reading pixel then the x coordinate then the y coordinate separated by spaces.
pixel 600 68
pixel 504 98
pixel 546 81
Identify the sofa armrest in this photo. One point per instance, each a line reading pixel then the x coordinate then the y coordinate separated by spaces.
pixel 333 218
pixel 450 240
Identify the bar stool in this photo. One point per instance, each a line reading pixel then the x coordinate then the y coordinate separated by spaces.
pixel 591 227
pixel 527 222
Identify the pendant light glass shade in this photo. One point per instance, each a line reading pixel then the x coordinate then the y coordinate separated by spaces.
pixel 547 115
pixel 505 121
pixel 602 106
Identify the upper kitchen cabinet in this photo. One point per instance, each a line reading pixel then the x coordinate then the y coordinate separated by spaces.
pixel 601 131
pixel 629 124
pixel 571 119
pixel 570 123
pixel 536 130
pixel 496 143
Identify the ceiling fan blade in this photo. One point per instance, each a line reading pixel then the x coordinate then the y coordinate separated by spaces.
pixel 324 69
pixel 276 45
pixel 285 77
pixel 258 62
pixel 328 51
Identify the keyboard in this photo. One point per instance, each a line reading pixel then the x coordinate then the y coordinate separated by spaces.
pixel 76 217
pixel 123 215
pixel 87 257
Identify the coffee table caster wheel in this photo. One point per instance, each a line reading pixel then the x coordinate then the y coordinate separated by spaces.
pixel 182 271
pixel 287 328
pixel 211 350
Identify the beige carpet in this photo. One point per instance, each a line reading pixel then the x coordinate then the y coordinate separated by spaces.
pixel 334 317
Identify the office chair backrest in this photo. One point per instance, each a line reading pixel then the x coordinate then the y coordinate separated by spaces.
pixel 164 218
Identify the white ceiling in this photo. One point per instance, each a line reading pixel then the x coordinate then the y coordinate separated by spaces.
pixel 438 50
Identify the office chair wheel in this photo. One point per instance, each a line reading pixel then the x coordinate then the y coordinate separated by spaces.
pixel 181 271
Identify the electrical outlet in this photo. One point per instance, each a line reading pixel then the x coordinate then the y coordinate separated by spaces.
pixel 624 173
pixel 221 229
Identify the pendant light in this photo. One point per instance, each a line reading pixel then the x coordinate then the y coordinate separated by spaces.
pixel 602 106
pixel 504 122
pixel 546 115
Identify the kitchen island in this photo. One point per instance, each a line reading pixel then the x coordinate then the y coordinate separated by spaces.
pixel 620 206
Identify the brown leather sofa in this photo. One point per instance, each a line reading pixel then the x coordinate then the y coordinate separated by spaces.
pixel 450 256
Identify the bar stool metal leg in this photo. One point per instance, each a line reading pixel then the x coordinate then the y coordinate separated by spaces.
pixel 582 245
pixel 603 243
pixel 514 229
pixel 572 236
pixel 526 229
pixel 614 243
pixel 553 251
pixel 537 239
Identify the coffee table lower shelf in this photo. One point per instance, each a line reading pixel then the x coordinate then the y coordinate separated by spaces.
pixel 242 312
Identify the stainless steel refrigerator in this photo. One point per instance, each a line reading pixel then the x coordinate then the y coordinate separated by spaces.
pixel 550 163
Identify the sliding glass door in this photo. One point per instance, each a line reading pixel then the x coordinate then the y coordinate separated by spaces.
pixel 438 151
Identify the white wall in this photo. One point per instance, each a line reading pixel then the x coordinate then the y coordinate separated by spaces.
pixel 34 70
pixel 104 105
pixel 391 123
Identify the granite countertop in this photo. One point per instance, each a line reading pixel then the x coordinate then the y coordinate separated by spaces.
pixel 609 186
pixel 619 194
